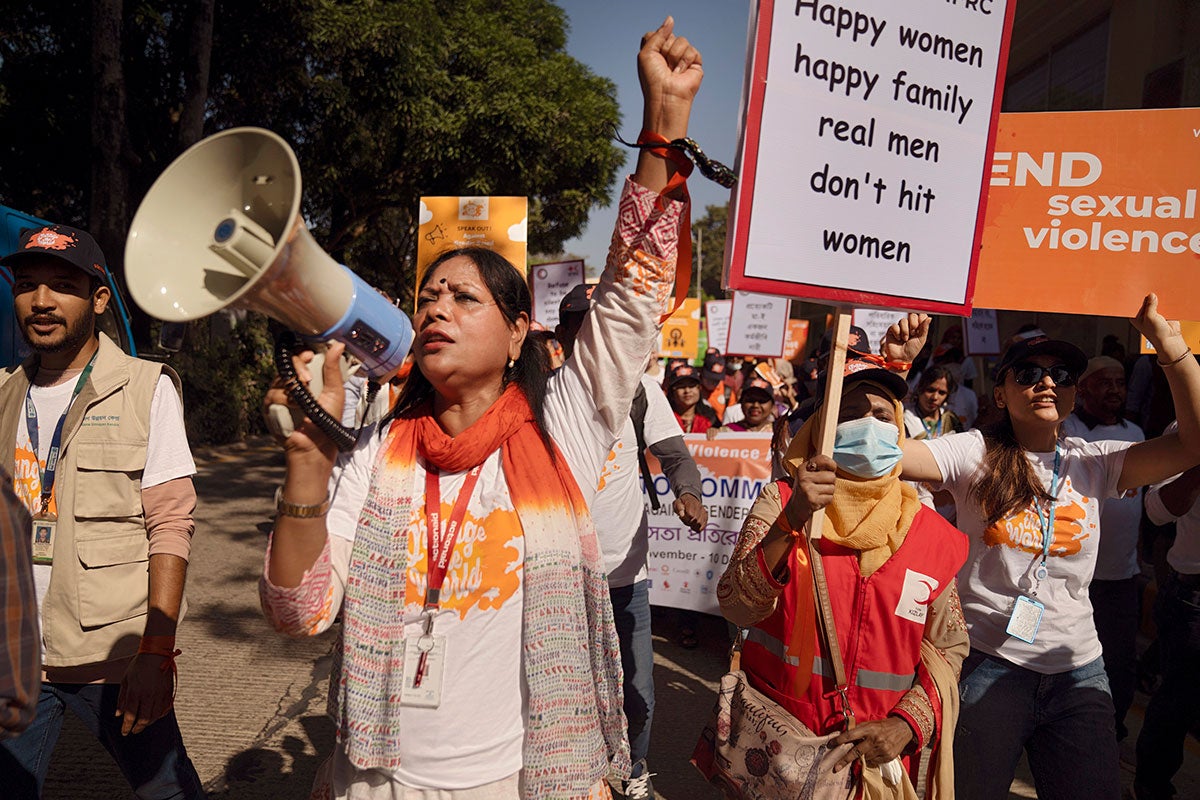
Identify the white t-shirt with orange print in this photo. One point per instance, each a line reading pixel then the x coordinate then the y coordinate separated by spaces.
pixel 480 615
pixel 1003 557
pixel 168 455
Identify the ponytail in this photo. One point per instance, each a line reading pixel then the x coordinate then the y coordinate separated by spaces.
pixel 1007 482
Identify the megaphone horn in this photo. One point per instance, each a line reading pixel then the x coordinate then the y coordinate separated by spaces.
pixel 221 228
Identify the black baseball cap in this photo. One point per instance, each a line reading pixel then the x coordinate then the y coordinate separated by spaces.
pixel 65 243
pixel 1042 345
pixel 859 369
pixel 681 373
pixel 578 300
pixel 856 341
pixel 714 366
pixel 757 385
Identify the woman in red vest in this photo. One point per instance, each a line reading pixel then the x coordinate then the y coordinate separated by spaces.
pixel 890 565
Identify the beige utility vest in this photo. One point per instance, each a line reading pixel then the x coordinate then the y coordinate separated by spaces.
pixel 95 608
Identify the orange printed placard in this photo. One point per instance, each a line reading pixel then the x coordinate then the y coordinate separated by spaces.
pixel 1191 334
pixel 681 331
pixel 796 339
pixel 1088 211
pixel 497 223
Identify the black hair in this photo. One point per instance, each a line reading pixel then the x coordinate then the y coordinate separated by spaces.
pixel 509 290
pixel 935 373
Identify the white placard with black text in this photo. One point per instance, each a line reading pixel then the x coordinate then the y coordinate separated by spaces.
pixel 716 315
pixel 758 325
pixel 865 148
pixel 983 333
pixel 549 284
pixel 875 322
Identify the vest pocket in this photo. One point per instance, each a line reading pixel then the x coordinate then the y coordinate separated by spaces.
pixel 108 480
pixel 114 581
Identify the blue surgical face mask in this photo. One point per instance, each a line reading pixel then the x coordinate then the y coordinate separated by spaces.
pixel 867 447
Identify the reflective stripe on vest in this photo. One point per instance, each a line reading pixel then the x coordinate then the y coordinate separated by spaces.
pixel 866 678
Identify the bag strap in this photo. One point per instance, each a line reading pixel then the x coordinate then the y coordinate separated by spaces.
pixel 825 612
pixel 735 650
pixel 637 413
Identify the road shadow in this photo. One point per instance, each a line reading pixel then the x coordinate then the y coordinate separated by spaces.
pixel 283 770
pixel 685 682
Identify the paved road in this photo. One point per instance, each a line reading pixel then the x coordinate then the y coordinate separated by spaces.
pixel 251 702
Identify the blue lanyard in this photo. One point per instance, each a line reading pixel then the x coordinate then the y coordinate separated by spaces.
pixel 31 425
pixel 1047 520
pixel 933 433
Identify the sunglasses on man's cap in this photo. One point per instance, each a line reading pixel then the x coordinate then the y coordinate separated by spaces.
pixel 1032 374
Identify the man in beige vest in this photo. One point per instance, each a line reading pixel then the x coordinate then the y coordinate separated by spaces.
pixel 95 442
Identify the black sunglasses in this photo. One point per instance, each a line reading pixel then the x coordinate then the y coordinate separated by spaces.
pixel 1030 374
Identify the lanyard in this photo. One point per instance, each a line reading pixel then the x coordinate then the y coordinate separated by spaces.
pixel 933 432
pixel 31 425
pixel 440 546
pixel 1047 520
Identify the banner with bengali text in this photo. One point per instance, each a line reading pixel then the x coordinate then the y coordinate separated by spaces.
pixel 685 565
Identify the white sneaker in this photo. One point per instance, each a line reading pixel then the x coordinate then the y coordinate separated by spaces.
pixel 639 788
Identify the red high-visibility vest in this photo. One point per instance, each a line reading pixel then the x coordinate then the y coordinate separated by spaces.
pixel 880 622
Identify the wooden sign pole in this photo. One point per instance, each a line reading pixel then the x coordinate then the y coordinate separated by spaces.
pixel 827 424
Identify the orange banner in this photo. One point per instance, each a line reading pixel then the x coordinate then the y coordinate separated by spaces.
pixel 685 565
pixel 680 336
pixel 797 338
pixel 1190 331
pixel 495 223
pixel 1089 211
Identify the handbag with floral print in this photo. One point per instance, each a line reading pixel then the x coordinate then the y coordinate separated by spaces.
pixel 754 749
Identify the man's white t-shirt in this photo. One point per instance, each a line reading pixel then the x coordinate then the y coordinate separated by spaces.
pixel 1122 516
pixel 1003 557
pixel 1184 555
pixel 480 719
pixel 965 405
pixel 619 511
pixel 168 455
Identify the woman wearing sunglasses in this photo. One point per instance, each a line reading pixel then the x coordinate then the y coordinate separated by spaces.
pixel 1029 502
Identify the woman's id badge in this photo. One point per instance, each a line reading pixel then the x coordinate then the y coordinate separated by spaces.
pixel 43 538
pixel 1026 619
pixel 424 659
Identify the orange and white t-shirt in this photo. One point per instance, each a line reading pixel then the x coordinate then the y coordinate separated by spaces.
pixel 479 722
pixel 1005 556
pixel 168 455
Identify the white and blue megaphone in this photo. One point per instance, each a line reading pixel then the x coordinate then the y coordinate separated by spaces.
pixel 221 228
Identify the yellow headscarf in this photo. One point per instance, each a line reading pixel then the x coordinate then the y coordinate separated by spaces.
pixel 870 515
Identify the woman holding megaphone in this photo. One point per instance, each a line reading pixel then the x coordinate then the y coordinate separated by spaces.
pixel 478 655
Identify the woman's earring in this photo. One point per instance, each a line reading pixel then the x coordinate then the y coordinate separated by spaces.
pixel 511 363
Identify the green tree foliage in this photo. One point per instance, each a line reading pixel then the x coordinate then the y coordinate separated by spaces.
pixel 383 100
pixel 711 255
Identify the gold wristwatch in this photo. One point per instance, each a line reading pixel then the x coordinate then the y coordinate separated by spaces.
pixel 299 510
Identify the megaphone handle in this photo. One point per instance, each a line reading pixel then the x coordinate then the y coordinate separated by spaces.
pixel 343 438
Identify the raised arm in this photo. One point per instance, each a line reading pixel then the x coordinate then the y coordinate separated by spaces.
pixel 901 344
pixel 622 325
pixel 1158 459
pixel 669 71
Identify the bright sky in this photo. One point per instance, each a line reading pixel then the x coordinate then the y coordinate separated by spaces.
pixel 604 34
